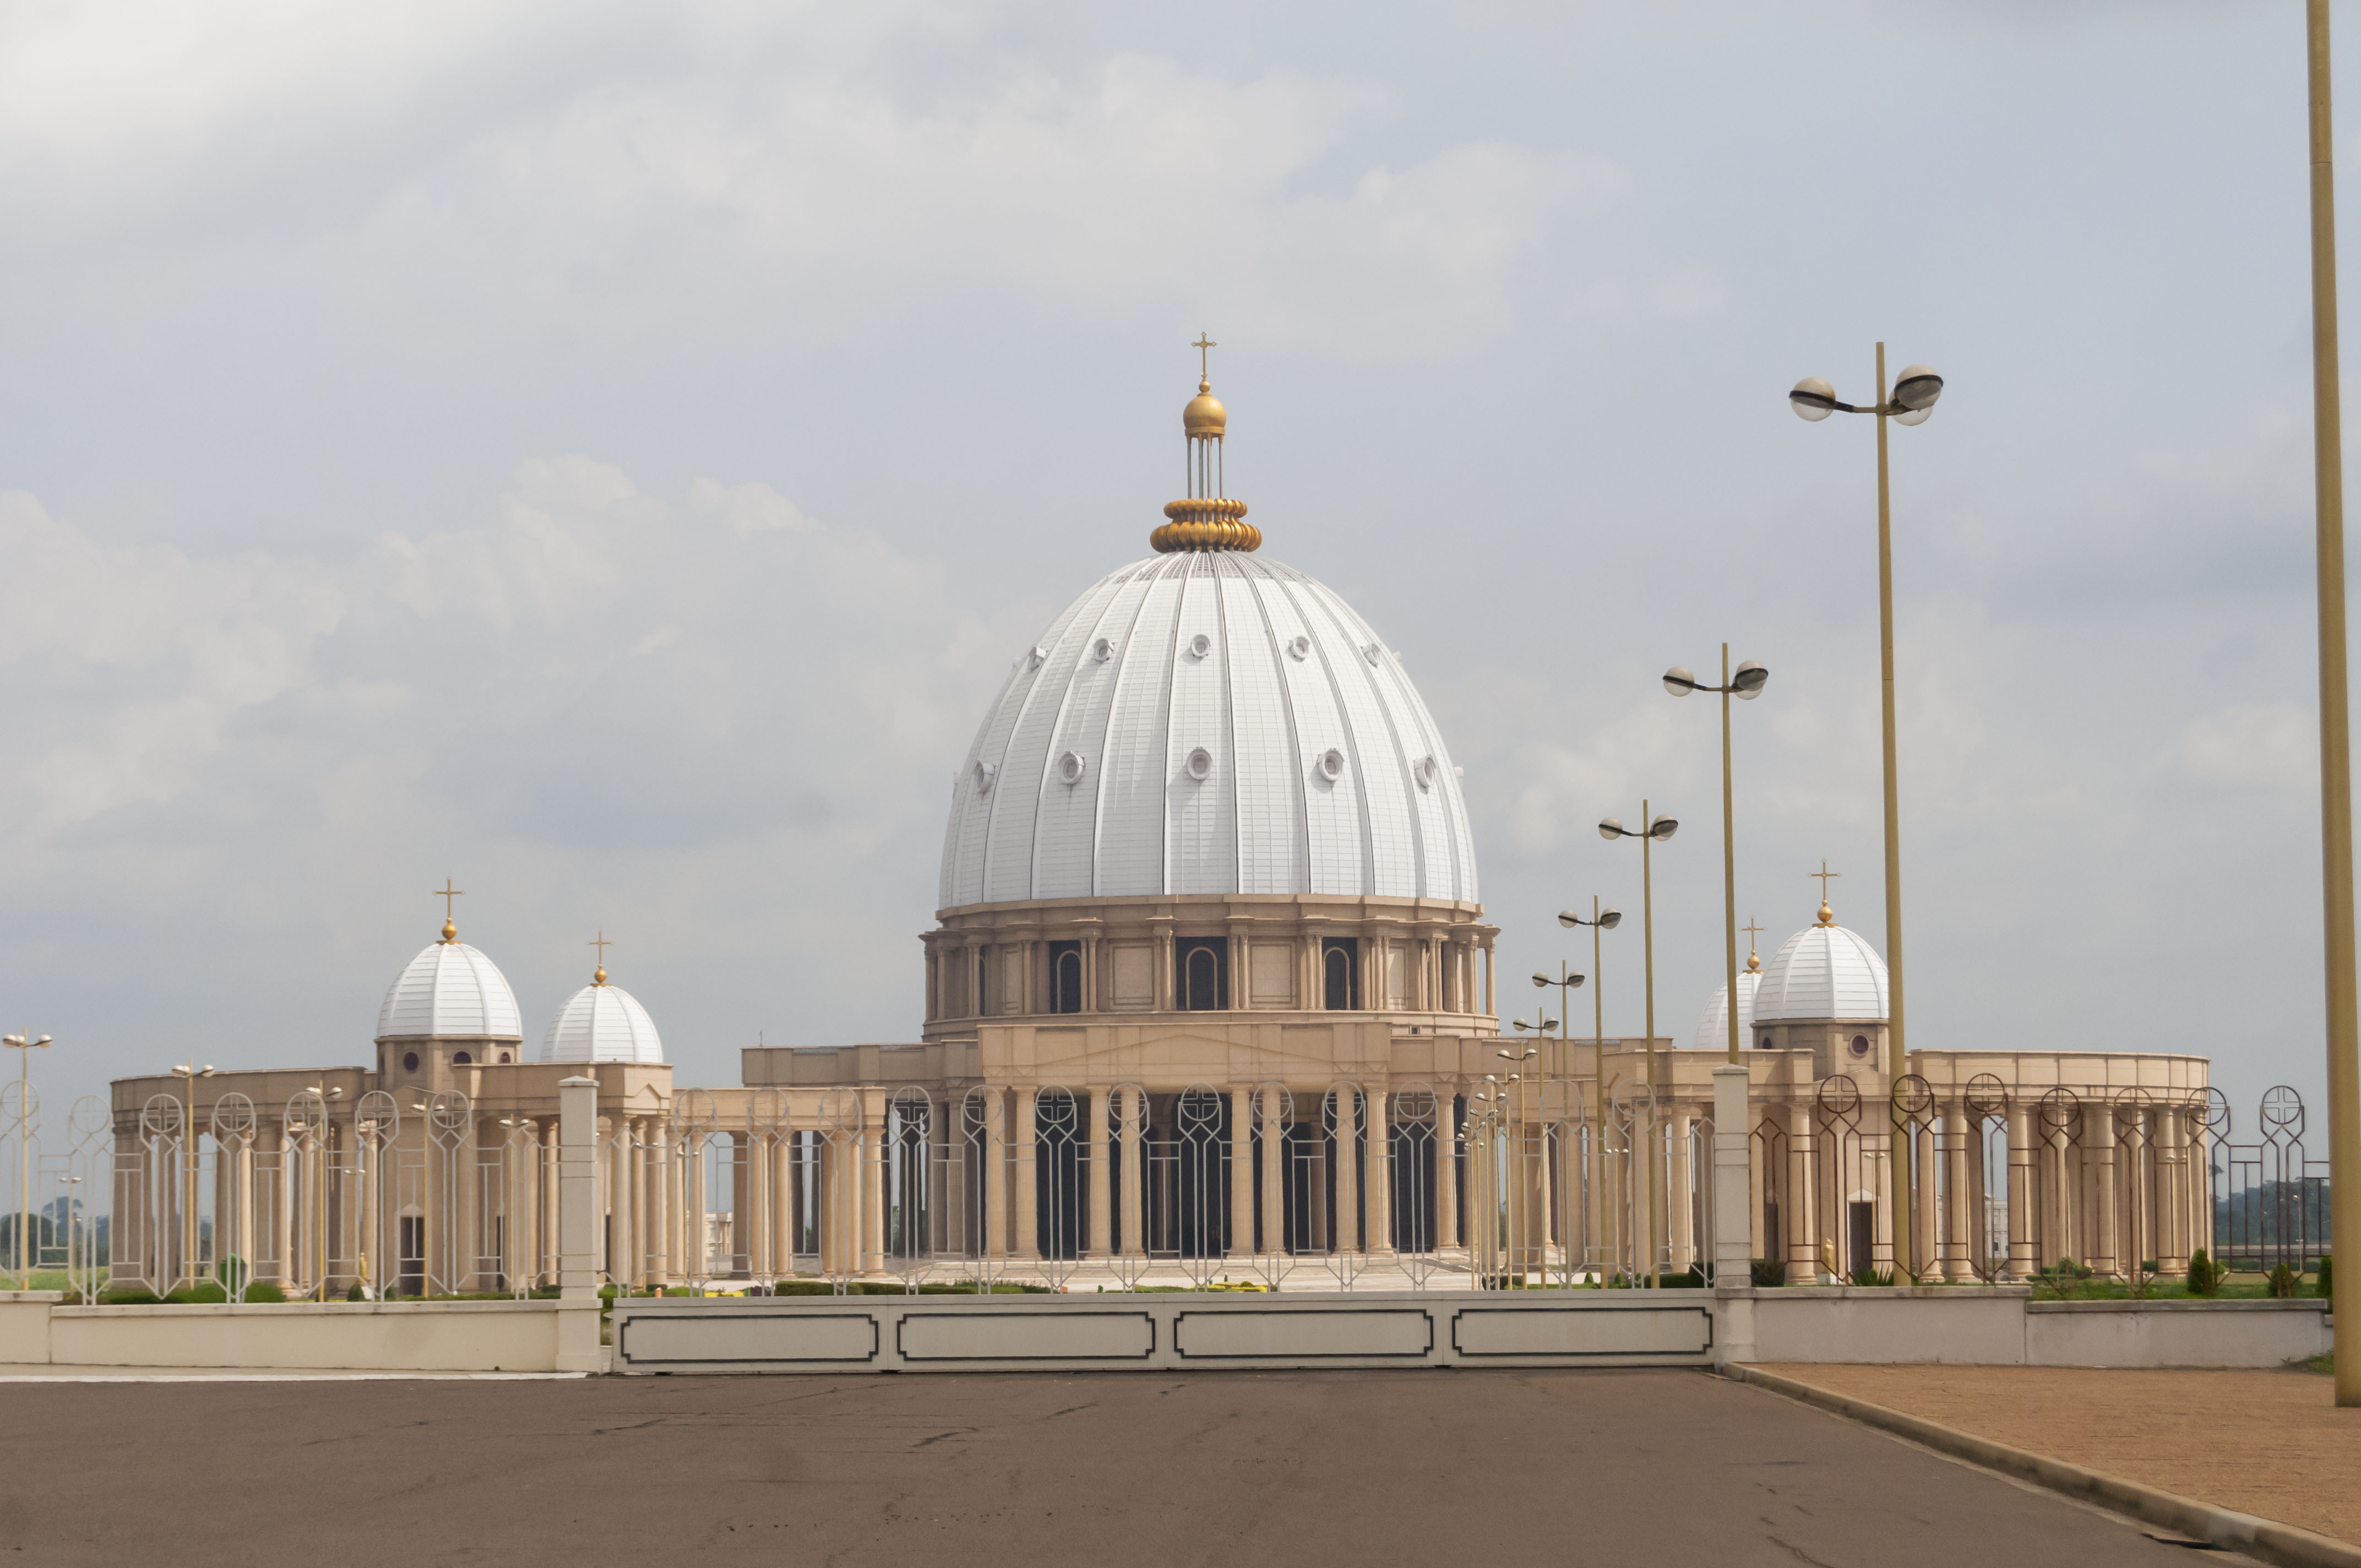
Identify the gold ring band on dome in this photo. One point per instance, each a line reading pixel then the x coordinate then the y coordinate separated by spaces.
pixel 1212 524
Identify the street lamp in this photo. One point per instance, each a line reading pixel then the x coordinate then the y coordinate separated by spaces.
pixel 1602 919
pixel 25 1043
pixel 1746 687
pixel 1650 831
pixel 189 1258
pixel 1912 400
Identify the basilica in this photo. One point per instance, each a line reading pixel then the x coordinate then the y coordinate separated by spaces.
pixel 1209 996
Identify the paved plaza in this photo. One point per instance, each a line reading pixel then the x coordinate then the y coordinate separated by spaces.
pixel 1306 1469
pixel 2269 1444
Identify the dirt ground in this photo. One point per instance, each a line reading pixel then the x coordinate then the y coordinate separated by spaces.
pixel 2271 1443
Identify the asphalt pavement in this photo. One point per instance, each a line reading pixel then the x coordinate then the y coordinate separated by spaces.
pixel 1304 1469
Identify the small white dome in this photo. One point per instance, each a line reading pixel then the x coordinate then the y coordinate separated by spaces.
pixel 602 1023
pixel 1713 1029
pixel 450 991
pixel 1822 971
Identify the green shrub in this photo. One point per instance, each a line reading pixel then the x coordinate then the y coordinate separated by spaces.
pixel 198 1295
pixel 2325 1286
pixel 231 1272
pixel 2204 1275
pixel 1687 1279
pixel 354 1293
pixel 2282 1279
pixel 1766 1272
pixel 1868 1274
pixel 266 1290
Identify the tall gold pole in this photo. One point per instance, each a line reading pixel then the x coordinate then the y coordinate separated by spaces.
pixel 1897 1055
pixel 1647 961
pixel 2335 741
pixel 1728 868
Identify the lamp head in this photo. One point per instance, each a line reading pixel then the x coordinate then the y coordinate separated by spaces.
pixel 1567 918
pixel 1750 680
pixel 1610 828
pixel 1610 918
pixel 1813 399
pixel 1680 681
pixel 1914 391
pixel 1664 827
pixel 1541 979
pixel 1575 981
pixel 14 1039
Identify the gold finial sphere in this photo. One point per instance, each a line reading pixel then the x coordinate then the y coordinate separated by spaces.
pixel 1754 962
pixel 450 930
pixel 1828 916
pixel 600 977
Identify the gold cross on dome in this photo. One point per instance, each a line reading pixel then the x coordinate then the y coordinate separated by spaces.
pixel 1753 931
pixel 1204 343
pixel 446 893
pixel 1824 874
pixel 603 945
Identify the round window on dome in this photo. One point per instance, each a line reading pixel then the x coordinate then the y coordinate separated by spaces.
pixel 1424 770
pixel 1299 648
pixel 1201 763
pixel 463 1059
pixel 504 1059
pixel 1035 655
pixel 1070 767
pixel 1332 764
pixel 1102 650
pixel 1200 645
pixel 1371 652
pixel 410 1061
pixel 984 774
pixel 1861 1045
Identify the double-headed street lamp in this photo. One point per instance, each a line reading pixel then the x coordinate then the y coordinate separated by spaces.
pixel 189 1235
pixel 1602 919
pixel 1746 687
pixel 1650 831
pixel 25 1043
pixel 1911 401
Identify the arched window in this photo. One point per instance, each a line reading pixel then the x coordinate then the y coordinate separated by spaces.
pixel 1205 981
pixel 1336 966
pixel 461 1059
pixel 1066 994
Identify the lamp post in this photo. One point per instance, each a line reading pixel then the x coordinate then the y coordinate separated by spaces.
pixel 1912 400
pixel 1568 983
pixel 1523 1190
pixel 25 1043
pixel 1600 920
pixel 191 1073
pixel 2335 741
pixel 1748 686
pixel 1652 830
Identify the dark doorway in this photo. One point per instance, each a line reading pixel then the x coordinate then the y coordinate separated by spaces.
pixel 1861 1223
pixel 414 1256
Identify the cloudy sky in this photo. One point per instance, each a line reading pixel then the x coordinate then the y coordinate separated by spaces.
pixel 609 453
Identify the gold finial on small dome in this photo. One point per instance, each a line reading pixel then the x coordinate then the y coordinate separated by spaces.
pixel 446 893
pixel 603 945
pixel 1753 958
pixel 1828 916
pixel 1206 518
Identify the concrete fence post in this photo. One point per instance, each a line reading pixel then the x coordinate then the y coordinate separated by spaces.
pixel 577 1218
pixel 1733 1205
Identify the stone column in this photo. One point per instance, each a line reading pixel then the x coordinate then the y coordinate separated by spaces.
pixel 1804 1263
pixel 2021 1259
pixel 1028 1139
pixel 1734 1203
pixel 1274 1172
pixel 868 1149
pixel 2105 1245
pixel 2171 1186
pixel 1379 1224
pixel 971 985
pixel 577 1220
pixel 1957 1263
pixel 1681 1213
pixel 1348 1164
pixel 1102 1236
pixel 1241 987
pixel 1446 1163
pixel 1490 963
pixel 995 1174
pixel 1242 1204
pixel 1133 1112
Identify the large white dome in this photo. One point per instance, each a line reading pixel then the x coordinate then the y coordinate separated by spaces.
pixel 602 1023
pixel 1207 721
pixel 450 991
pixel 1822 971
pixel 1713 1028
